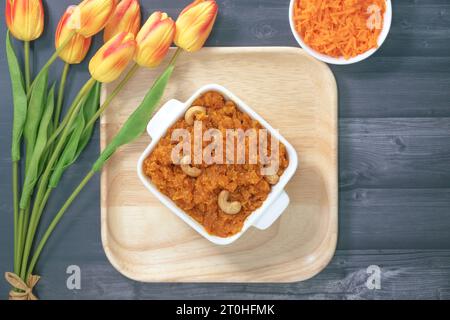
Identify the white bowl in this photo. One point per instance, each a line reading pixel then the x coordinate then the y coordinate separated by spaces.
pixel 386 27
pixel 277 200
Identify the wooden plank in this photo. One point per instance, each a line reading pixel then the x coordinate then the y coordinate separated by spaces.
pixel 394 153
pixel 416 87
pixel 405 274
pixel 413 127
pixel 394 219
pixel 419 28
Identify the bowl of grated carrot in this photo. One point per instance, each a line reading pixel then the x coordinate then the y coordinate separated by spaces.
pixel 340 31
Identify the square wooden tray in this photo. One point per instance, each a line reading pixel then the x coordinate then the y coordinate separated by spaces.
pixel 295 94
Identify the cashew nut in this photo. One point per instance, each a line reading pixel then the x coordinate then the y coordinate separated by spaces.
pixel 226 206
pixel 186 167
pixel 273 179
pixel 190 114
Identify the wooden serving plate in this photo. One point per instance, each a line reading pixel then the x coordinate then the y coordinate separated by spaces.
pixel 293 92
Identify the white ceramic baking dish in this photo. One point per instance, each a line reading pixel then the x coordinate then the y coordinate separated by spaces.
pixel 263 217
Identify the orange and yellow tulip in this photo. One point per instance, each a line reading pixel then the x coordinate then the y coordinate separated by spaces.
pixel 25 18
pixel 126 17
pixel 91 16
pixel 195 23
pixel 77 48
pixel 112 59
pixel 154 40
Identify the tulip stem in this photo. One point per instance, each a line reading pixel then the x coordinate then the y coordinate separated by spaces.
pixel 26 49
pixel 175 56
pixel 20 236
pixel 56 220
pixel 63 123
pixel 62 85
pixel 24 228
pixel 58 50
pixel 53 57
pixel 15 189
pixel 113 94
pixel 43 183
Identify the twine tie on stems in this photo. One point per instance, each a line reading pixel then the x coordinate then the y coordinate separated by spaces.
pixel 26 289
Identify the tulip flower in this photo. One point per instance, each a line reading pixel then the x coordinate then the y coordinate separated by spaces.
pixel 75 51
pixel 91 16
pixel 112 59
pixel 126 17
pixel 25 18
pixel 154 40
pixel 195 23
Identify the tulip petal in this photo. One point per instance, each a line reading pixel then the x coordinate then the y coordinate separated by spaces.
pixel 111 59
pixel 93 15
pixel 195 23
pixel 77 48
pixel 25 18
pixel 154 40
pixel 126 17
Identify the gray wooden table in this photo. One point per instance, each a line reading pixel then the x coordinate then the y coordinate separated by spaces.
pixel 394 167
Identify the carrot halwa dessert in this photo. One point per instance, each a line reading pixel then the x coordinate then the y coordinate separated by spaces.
pixel 218 196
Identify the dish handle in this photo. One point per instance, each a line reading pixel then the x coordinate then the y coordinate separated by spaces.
pixel 273 212
pixel 168 113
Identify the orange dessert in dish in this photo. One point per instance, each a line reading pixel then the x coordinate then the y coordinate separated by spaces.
pixel 218 196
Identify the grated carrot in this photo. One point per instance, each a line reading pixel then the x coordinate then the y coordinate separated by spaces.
pixel 339 28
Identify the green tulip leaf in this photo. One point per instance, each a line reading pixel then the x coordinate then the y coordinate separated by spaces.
pixel 19 99
pixel 90 108
pixel 35 111
pixel 37 157
pixel 137 122
pixel 79 137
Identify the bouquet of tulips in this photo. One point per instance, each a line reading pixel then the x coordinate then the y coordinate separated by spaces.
pixel 53 143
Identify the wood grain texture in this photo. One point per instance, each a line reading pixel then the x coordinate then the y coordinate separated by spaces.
pixel 384 214
pixel 344 278
pixel 394 218
pixel 403 153
pixel 146 242
pixel 416 87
